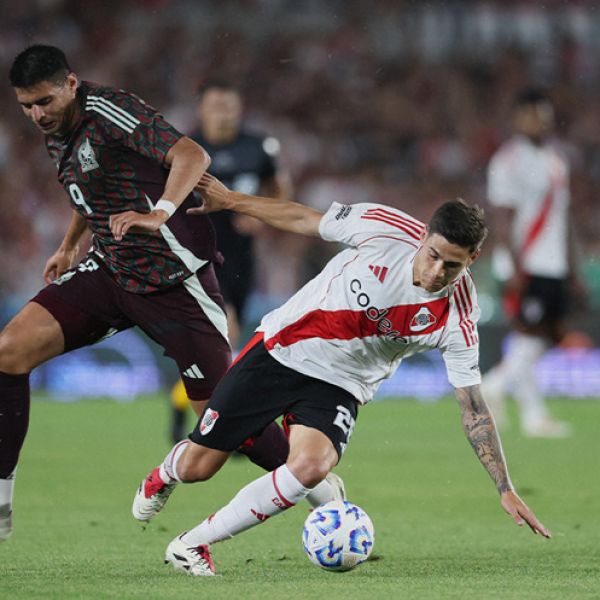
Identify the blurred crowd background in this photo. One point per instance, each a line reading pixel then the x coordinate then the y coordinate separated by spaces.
pixel 392 101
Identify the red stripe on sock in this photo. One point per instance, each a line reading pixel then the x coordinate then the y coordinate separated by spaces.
pixel 283 499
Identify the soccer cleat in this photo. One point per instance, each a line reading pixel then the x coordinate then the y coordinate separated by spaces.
pixel 5 521
pixel 196 561
pixel 151 496
pixel 337 485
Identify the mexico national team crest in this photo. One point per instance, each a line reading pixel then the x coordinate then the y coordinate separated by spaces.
pixel 208 421
pixel 87 157
pixel 423 319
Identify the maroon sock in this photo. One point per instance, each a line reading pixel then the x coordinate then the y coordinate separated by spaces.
pixel 268 450
pixel 14 419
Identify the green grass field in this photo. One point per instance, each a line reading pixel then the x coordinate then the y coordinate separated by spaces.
pixel 440 531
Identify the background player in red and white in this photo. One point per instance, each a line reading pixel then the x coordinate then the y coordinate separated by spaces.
pixel 247 162
pixel 528 184
pixel 398 289
pixel 127 171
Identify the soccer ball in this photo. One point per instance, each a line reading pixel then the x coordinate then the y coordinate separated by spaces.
pixel 338 536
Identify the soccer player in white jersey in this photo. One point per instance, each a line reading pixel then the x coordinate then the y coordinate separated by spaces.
pixel 399 288
pixel 528 184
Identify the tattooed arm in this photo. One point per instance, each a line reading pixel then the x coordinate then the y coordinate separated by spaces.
pixel 480 429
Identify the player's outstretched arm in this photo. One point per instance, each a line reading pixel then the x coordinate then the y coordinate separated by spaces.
pixel 279 213
pixel 66 255
pixel 480 429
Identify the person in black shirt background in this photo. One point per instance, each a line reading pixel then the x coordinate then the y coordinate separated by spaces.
pixel 245 162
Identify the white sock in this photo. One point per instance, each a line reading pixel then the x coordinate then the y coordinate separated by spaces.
pixel 7 488
pixel 266 496
pixel 168 468
pixel 320 494
pixel 524 353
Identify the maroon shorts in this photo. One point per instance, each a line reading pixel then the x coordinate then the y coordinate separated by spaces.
pixel 187 320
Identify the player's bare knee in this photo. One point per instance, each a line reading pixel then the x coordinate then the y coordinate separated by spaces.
pixel 309 470
pixel 12 360
pixel 193 467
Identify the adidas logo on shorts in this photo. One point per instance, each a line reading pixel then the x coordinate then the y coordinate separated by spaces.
pixel 193 372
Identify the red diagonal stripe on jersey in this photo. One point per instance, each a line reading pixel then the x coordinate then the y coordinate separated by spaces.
pixel 352 324
pixel 538 224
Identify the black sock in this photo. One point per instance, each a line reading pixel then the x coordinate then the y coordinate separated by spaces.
pixel 268 450
pixel 14 419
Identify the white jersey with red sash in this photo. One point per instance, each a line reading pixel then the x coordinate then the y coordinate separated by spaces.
pixel 353 324
pixel 533 180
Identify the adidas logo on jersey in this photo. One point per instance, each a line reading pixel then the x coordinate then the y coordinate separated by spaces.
pixel 87 157
pixel 379 272
pixel 193 372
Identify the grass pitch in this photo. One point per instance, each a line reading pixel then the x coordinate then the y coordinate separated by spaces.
pixel 440 531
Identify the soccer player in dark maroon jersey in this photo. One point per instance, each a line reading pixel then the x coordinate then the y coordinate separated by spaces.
pixel 129 175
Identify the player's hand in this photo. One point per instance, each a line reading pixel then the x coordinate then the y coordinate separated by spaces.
pixel 214 193
pixel 522 514
pixel 60 262
pixel 136 222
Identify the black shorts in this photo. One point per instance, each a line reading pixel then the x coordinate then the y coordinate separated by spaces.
pixel 544 301
pixel 185 319
pixel 257 389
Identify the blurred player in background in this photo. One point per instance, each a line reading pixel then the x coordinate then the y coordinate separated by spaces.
pixel 128 173
pixel 245 162
pixel 399 288
pixel 528 184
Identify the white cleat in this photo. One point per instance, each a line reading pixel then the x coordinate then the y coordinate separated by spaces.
pixel 151 496
pixel 337 485
pixel 196 561
pixel 5 521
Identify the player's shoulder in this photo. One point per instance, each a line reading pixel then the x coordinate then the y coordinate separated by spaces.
pixel 509 152
pixel 465 292
pixel 369 221
pixel 390 218
pixel 115 106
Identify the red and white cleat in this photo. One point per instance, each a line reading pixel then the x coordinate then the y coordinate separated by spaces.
pixel 151 496
pixel 193 560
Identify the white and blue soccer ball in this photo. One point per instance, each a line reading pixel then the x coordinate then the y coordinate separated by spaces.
pixel 338 536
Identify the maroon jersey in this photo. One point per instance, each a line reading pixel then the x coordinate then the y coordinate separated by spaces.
pixel 113 161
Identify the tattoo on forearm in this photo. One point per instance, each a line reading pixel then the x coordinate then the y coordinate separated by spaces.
pixel 481 432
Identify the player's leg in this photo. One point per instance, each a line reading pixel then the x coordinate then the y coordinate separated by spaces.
pixel 52 323
pixel 189 322
pixel 180 405
pixel 31 338
pixel 540 322
pixel 320 431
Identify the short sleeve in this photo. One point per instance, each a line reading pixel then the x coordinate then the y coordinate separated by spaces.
pixel 352 224
pixel 126 119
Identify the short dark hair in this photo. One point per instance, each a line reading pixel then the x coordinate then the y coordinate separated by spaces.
pixel 460 224
pixel 39 63
pixel 530 96
pixel 215 83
